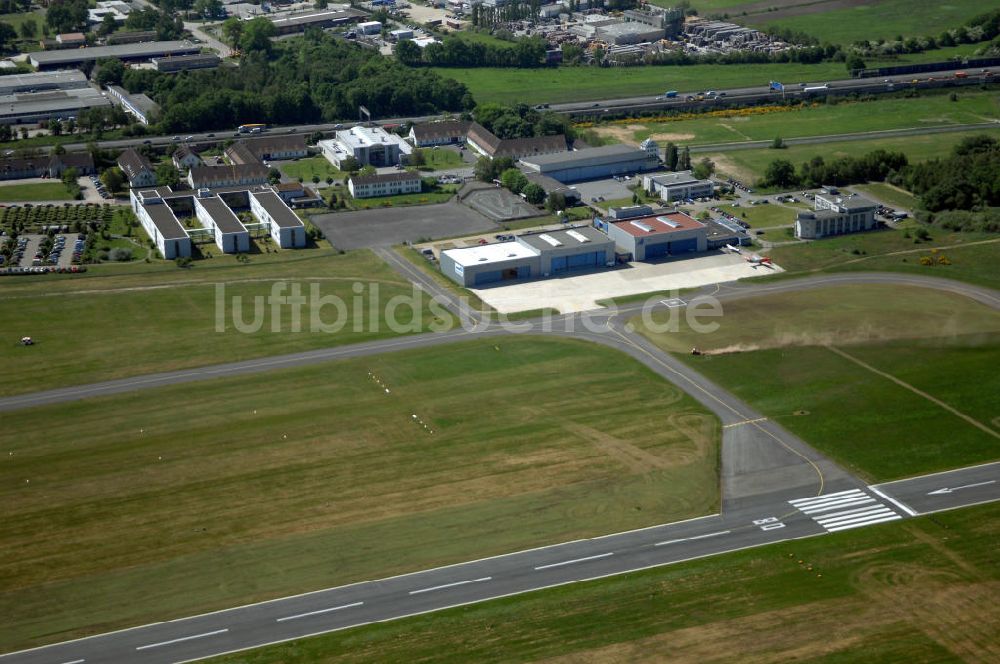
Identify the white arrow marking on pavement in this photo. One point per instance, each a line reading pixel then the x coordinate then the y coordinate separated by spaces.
pixel 947 490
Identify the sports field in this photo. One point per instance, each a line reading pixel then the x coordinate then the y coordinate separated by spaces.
pixel 816 119
pixel 811 361
pixel 118 323
pixel 919 591
pixel 119 511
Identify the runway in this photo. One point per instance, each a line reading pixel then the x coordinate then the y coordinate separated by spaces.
pixel 775 488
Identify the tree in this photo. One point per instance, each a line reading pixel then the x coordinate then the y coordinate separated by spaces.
pixel 29 29
pixel 59 149
pixel 232 31
pixel 670 158
pixel 209 9
pixel 113 179
pixel 854 61
pixel 7 35
pixel 110 72
pixel 166 175
pixel 69 176
pixel 257 35
pixel 556 201
pixel 513 180
pixel 408 53
pixel 778 143
pixel 533 193
pixel 321 4
pixel 367 170
pixel 274 176
pixel 349 165
pixel 780 173
pixel 703 169
pixel 417 158
pixel 108 25
pixel 684 163
pixel 67 15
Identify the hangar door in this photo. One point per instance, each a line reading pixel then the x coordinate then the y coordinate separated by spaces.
pixel 577 261
pixel 522 272
pixel 657 250
pixel 684 246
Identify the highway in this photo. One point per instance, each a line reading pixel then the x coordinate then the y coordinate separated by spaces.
pixel 775 488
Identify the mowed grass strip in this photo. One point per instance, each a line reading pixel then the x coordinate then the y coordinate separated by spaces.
pixel 916 591
pixel 98 328
pixel 771 352
pixel 158 504
pixel 39 191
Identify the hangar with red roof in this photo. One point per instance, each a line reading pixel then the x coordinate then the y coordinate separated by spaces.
pixel 659 235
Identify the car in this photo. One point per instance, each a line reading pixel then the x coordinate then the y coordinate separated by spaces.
pixel 147 142
pixel 189 138
pixel 176 138
pixel 210 135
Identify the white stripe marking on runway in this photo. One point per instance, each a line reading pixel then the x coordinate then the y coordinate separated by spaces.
pixel 450 585
pixel 850 518
pixel 828 518
pixel 894 517
pixel 845 503
pixel 892 500
pixel 316 613
pixel 696 537
pixel 576 560
pixel 823 497
pixel 826 500
pixel 76 661
pixel 183 638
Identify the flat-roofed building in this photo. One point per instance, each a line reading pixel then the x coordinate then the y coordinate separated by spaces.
pixel 386 184
pixel 159 222
pixel 371 146
pixel 43 81
pixel 835 215
pixel 175 63
pixel 230 235
pixel 74 57
pixel 285 226
pixel 138 105
pixel 592 163
pixel 327 18
pixel 677 186
pixel 529 256
pixel 62 104
pixel 659 235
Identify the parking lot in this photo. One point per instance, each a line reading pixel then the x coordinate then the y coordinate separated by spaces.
pixel 388 226
pixel 33 250
pixel 609 189
pixel 581 292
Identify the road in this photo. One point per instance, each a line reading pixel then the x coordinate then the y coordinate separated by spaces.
pixel 775 488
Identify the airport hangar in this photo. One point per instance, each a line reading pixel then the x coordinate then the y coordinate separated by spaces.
pixel 593 163
pixel 659 235
pixel 529 255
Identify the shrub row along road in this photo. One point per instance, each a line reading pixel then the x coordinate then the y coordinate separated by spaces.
pixel 775 488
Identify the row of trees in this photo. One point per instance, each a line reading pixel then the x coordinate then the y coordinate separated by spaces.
pixel 968 178
pixel 313 79
pixel 521 121
pixel 876 165
pixel 523 53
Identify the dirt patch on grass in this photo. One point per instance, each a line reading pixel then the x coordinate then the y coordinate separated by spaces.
pixel 724 164
pixel 622 134
pixel 790 8
pixel 675 137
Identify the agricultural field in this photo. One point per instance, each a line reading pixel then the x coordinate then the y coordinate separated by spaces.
pixel 919 591
pixel 809 360
pixel 308 168
pixel 39 191
pixel 98 326
pixel 570 84
pixel 841 22
pixel 319 476
pixel 749 165
pixel 815 119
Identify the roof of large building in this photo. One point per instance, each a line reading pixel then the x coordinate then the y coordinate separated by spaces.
pixel 850 203
pixel 280 213
pixel 306 19
pixel 429 131
pixel 164 220
pixel 572 238
pixel 361 137
pixel 13 83
pixel 51 101
pixel 186 61
pixel 132 163
pixel 239 153
pixel 142 50
pixel 514 147
pixel 207 176
pixel 401 176
pixel 670 222
pixel 489 253
pixel 674 179
pixel 607 154
pixel 224 219
pixel 274 143
pixel 140 101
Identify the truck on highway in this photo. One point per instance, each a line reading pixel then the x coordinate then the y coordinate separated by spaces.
pixel 810 89
pixel 961 74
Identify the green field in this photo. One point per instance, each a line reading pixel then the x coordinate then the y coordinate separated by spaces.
pixel 439 159
pixel 818 119
pixel 773 352
pixel 749 165
pixel 886 19
pixel 39 191
pixel 920 592
pixel 122 321
pixel 764 216
pixel 306 169
pixel 293 480
pixel 567 84
pixel 888 195
pixel 444 195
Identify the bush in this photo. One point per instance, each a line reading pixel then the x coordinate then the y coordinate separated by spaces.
pixel 120 254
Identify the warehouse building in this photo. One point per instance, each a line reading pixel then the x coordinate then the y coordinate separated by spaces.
pixel 546 254
pixel 296 23
pixel 41 81
pixel 160 224
pixel 230 235
pixel 175 63
pixel 553 186
pixel 33 107
pixel 285 227
pixel 592 163
pixel 74 57
pixel 387 184
pixel 835 215
pixel 677 186
pixel 658 236
pixel 372 146
pixel 138 105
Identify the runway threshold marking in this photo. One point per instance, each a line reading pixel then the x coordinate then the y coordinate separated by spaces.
pixel 575 560
pixel 320 611
pixel 696 537
pixel 183 638
pixel 450 585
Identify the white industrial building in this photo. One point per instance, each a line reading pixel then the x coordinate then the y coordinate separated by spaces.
pixel 677 186
pixel 372 146
pixel 835 215
pixel 230 235
pixel 72 79
pixel 592 163
pixel 160 224
pixel 138 105
pixel 386 184
pixel 658 236
pixel 285 227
